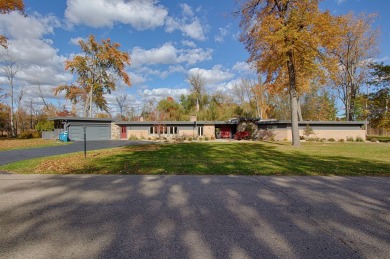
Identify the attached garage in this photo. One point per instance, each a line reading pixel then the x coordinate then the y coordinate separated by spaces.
pixel 96 129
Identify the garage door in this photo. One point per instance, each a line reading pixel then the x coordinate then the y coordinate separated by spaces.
pixel 94 132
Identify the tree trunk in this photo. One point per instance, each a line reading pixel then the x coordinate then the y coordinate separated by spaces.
pixel 13 134
pixel 293 101
pixel 299 110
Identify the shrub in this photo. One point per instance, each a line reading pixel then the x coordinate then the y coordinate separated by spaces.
pixel 341 140
pixel 29 134
pixel 350 139
pixel 189 139
pixel 242 135
pixel 308 131
pixel 44 126
pixel 374 140
pixel 331 140
pixel 301 138
pixel 359 139
pixel 266 135
pixel 315 139
pixel 133 137
pixel 206 138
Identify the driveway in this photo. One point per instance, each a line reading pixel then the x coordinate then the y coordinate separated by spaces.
pixel 89 216
pixel 11 156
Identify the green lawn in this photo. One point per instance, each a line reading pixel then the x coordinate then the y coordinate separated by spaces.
pixel 207 158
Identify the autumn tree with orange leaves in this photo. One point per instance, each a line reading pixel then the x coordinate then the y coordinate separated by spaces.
pixel 7 6
pixel 95 70
pixel 287 41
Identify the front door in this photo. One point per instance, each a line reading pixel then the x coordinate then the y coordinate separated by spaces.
pixel 123 132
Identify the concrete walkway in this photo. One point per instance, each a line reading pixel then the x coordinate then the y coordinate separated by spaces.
pixel 87 216
pixel 11 156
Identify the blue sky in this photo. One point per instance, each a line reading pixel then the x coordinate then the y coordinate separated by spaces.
pixel 167 41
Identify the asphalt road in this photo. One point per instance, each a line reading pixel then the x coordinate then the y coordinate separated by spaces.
pixel 87 216
pixel 11 156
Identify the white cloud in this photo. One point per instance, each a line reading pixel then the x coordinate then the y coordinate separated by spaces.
pixel 145 71
pixel 141 14
pixel 186 10
pixel 193 29
pixel 244 68
pixel 75 41
pixel 194 56
pixel 223 32
pixel 136 78
pixel 188 43
pixel 212 76
pixel 163 93
pixel 188 24
pixel 35 53
pixel 168 55
pixel 340 1
pixel 16 26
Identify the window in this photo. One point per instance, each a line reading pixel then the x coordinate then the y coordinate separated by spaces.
pixel 172 130
pixel 200 131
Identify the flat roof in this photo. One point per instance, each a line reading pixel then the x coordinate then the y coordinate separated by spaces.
pixel 170 122
pixel 80 119
pixel 229 122
pixel 313 122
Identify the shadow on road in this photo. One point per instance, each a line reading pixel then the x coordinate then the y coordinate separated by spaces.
pixel 194 216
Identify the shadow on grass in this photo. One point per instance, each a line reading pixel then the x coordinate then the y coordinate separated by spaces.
pixel 226 159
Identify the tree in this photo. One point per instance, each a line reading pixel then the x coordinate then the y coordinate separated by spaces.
pixel 358 47
pixel 95 70
pixel 121 100
pixel 380 75
pixel 169 109
pixel 286 40
pixel 378 102
pixel 10 68
pixel 198 90
pixel 7 6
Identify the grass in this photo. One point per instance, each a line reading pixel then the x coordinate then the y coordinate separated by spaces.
pixel 253 158
pixel 10 144
pixel 379 138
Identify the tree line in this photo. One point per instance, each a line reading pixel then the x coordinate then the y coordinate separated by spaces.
pixel 307 61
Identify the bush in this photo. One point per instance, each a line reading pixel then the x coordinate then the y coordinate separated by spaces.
pixel 308 131
pixel 314 139
pixel 29 134
pixel 331 140
pixel 341 140
pixel 359 139
pixel 44 126
pixel 380 138
pixel 350 139
pixel 206 138
pixel 133 137
pixel 266 135
pixel 374 140
pixel 242 135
